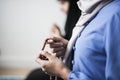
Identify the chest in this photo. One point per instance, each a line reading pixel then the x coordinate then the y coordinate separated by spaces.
pixel 89 47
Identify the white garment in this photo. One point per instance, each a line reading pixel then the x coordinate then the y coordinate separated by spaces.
pixel 87 5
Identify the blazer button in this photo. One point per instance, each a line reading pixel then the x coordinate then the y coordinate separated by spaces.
pixel 73 62
pixel 74 48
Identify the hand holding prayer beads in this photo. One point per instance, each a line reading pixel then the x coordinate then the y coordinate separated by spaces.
pixel 41 56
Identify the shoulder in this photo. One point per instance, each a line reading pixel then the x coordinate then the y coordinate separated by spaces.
pixel 107 16
pixel 113 6
pixel 110 14
pixel 111 10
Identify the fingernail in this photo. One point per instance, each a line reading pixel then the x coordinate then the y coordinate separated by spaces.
pixel 50 40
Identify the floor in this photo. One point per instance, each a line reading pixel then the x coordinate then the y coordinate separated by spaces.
pixel 14 73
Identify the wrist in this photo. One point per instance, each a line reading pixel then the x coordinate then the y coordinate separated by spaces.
pixel 64 73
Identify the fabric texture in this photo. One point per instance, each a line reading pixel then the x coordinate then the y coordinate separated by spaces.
pixel 88 13
pixel 97 48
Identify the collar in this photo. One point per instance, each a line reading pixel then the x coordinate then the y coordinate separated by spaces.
pixel 87 6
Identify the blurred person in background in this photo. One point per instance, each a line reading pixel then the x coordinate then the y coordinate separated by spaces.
pixel 64 6
pixel 70 8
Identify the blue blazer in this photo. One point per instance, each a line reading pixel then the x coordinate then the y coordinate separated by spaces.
pixel 97 50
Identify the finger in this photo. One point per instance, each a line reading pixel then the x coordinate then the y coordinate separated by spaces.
pixel 56 45
pixel 42 63
pixel 53 39
pixel 39 61
pixel 50 41
pixel 43 69
pixel 56 39
pixel 59 54
pixel 55 50
pixel 39 54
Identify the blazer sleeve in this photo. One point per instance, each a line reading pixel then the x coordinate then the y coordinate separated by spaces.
pixel 112 48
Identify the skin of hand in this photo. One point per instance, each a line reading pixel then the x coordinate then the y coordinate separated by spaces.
pixel 55 30
pixel 53 65
pixel 64 6
pixel 58 45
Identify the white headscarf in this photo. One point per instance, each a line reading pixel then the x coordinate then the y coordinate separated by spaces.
pixel 89 9
pixel 87 5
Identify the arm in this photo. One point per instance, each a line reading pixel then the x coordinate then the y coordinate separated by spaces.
pixel 112 48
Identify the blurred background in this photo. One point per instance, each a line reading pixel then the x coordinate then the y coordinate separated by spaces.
pixel 24 24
